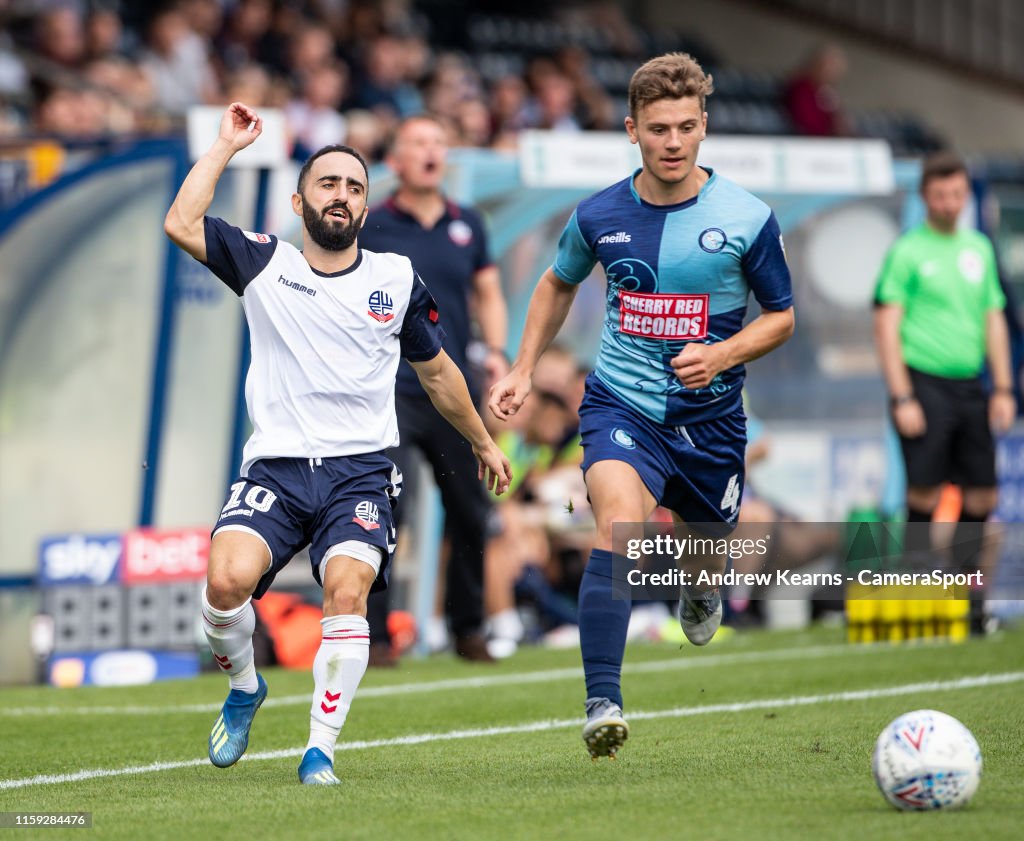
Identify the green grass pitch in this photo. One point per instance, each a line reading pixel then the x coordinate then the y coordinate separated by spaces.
pixel 443 749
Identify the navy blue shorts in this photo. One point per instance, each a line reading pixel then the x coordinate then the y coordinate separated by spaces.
pixel 292 502
pixel 697 470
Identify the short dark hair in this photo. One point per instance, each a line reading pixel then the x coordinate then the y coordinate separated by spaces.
pixel 326 150
pixel 941 165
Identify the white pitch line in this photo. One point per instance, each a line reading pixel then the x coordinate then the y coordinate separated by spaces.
pixel 541 726
pixel 484 682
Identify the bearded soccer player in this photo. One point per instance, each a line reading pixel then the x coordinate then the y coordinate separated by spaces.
pixel 662 420
pixel 328 325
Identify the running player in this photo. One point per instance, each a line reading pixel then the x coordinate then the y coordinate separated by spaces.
pixel 328 325
pixel 662 420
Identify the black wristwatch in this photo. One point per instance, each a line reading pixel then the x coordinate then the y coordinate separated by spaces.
pixel 895 402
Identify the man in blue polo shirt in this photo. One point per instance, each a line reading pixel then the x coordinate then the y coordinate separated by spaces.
pixel 448 245
pixel 662 419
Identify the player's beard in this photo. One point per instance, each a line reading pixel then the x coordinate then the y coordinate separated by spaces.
pixel 330 236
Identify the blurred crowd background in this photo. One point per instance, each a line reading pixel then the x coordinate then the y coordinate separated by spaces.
pixel 347 70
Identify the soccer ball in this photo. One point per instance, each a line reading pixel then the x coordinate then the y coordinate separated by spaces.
pixel 927 760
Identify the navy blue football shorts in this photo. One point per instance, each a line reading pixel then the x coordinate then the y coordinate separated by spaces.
pixel 339 506
pixel 696 470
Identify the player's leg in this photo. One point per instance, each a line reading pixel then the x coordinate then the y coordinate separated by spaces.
pixel 617 495
pixel 700 606
pixel 927 459
pixel 350 551
pixel 256 535
pixel 704 492
pixel 975 468
pixel 238 559
pixel 348 572
pixel 405 458
pixel 467 513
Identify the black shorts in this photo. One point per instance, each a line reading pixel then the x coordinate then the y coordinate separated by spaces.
pixel 957 445
pixel 291 502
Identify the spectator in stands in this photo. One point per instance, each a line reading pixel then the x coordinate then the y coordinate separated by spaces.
pixel 365 133
pixel 452 82
pixel 595 109
pixel 60 37
pixel 380 79
pixel 206 17
pixel 242 39
pixel 508 109
pixel 811 98
pixel 311 47
pixel 474 124
pixel 105 35
pixel 554 105
pixel 313 117
pixel 250 84
pixel 177 62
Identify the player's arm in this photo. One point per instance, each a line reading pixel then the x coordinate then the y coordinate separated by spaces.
pixel 698 364
pixel 907 413
pixel 492 317
pixel 1002 406
pixel 239 127
pixel 894 289
pixel 444 383
pixel 545 316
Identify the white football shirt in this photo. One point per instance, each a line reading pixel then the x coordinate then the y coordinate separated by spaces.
pixel 325 347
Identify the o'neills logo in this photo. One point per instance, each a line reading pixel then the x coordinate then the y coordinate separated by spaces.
pixel 621 236
pixel 298 287
pixel 663 316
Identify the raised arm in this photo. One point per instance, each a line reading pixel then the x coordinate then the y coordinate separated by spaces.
pixel 548 308
pixel 444 383
pixel 239 127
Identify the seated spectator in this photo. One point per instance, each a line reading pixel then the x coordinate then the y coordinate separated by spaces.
pixel 250 84
pixel 473 126
pixel 177 62
pixel 60 37
pixel 811 98
pixel 545 520
pixel 313 118
pixel 508 110
pixel 595 109
pixel 105 35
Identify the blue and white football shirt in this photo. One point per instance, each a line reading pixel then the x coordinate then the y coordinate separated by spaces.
pixel 676 274
pixel 325 347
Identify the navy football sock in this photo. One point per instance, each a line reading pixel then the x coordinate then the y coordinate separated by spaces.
pixel 603 624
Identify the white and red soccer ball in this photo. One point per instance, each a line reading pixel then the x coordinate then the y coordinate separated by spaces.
pixel 927 760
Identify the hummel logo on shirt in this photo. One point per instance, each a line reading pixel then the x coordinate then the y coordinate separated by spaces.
pixel 298 287
pixel 621 236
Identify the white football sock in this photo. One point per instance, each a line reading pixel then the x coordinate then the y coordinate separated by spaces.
pixel 339 666
pixel 507 624
pixel 229 633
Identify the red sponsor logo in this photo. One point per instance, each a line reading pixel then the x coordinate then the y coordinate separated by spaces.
pixel 383 319
pixel 433 316
pixel 915 737
pixel 329 697
pixel 668 317
pixel 152 555
pixel 366 524
pixel 222 661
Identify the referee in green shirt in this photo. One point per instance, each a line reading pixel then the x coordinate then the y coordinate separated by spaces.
pixel 938 316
